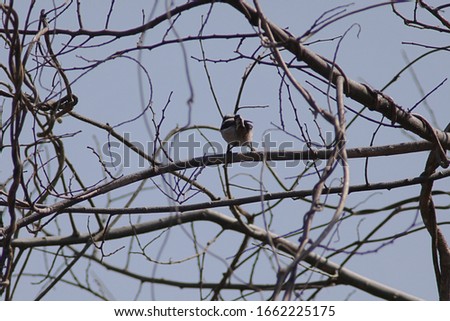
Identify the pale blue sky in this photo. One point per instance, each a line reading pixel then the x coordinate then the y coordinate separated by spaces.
pixel 113 93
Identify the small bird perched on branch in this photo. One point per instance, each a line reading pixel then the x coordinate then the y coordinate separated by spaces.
pixel 236 131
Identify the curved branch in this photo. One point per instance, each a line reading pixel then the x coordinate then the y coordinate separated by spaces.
pixel 122 33
pixel 342 274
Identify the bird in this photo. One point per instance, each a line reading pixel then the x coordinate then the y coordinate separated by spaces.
pixel 237 131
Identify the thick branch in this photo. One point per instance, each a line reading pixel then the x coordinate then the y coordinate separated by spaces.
pixel 440 249
pixel 342 274
pixel 361 93
pixel 212 160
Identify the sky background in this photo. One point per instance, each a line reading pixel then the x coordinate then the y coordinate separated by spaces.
pixel 372 52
